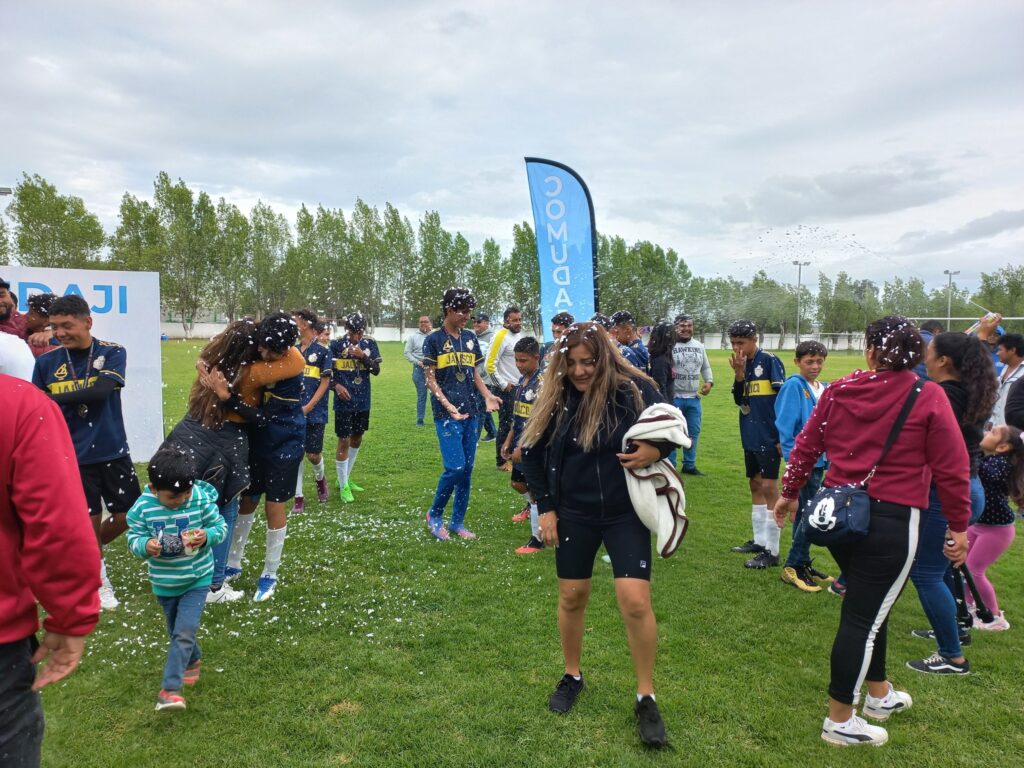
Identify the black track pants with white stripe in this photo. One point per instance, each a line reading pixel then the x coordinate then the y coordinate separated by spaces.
pixel 876 569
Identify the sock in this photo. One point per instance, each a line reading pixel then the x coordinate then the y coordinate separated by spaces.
pixel 341 466
pixel 352 453
pixel 640 696
pixel 103 573
pixel 766 519
pixel 526 498
pixel 242 527
pixel 772 532
pixel 534 521
pixel 275 545
pixel 577 678
pixel 298 482
pixel 318 469
pixel 756 524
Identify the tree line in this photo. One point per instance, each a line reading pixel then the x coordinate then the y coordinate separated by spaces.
pixel 214 258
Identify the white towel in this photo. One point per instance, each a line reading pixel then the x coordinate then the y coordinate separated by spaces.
pixel 657 491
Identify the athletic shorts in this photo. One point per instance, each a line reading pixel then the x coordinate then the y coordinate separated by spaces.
pixel 628 543
pixel 314 438
pixel 349 423
pixel 274 478
pixel 517 474
pixel 763 463
pixel 113 483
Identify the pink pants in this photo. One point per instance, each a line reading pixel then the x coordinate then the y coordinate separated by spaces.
pixel 987 543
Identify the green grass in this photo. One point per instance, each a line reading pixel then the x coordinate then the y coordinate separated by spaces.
pixel 383 647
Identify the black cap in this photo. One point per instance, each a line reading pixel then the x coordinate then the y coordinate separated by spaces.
pixel 622 317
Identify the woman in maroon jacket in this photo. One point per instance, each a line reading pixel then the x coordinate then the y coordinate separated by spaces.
pixel 851 422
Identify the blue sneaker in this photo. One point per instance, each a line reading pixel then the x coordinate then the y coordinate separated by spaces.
pixel 232 573
pixel 265 589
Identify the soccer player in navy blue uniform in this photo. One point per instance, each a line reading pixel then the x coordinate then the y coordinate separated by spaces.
pixel 356 358
pixel 528 353
pixel 85 376
pixel 316 380
pixel 759 376
pixel 450 357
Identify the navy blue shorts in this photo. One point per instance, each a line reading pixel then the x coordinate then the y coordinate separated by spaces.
pixel 763 463
pixel 349 423
pixel 314 438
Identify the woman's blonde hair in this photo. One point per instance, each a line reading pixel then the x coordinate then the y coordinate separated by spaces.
pixel 612 372
pixel 230 351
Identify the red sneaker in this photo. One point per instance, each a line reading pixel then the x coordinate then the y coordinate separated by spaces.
pixel 532 547
pixel 191 674
pixel 169 700
pixel 321 489
pixel 523 514
pixel 300 506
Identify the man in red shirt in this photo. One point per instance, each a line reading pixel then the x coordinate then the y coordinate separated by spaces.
pixel 11 320
pixel 47 553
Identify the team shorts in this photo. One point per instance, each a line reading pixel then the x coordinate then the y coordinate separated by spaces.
pixel 763 463
pixel 113 483
pixel 517 474
pixel 274 478
pixel 351 423
pixel 314 438
pixel 628 543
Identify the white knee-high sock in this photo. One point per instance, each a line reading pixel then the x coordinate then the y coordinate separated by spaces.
pixel 104 581
pixel 298 482
pixel 534 521
pixel 241 535
pixel 352 453
pixel 757 515
pixel 772 533
pixel 275 546
pixel 341 467
pixel 318 469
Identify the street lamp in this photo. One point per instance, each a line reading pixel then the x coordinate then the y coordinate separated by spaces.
pixel 949 295
pixel 799 267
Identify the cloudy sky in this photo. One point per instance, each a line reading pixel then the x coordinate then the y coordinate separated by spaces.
pixel 882 138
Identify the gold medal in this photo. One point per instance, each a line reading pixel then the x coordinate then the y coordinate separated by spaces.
pixel 460 376
pixel 357 380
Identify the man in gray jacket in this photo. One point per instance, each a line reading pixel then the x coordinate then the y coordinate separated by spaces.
pixel 414 354
pixel 690 364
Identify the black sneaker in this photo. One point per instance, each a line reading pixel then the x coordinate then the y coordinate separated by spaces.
pixel 692 471
pixel 937 664
pixel 749 548
pixel 764 560
pixel 565 694
pixel 652 727
pixel 818 576
pixel 487 439
pixel 929 634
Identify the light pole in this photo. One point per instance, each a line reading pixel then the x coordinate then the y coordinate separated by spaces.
pixel 799 269
pixel 949 295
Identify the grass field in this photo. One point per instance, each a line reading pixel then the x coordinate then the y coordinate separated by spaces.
pixel 383 647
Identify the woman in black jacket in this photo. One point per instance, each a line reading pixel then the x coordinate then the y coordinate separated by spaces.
pixel 575 470
pixel 660 343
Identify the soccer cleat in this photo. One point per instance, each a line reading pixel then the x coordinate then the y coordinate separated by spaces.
pixel 231 573
pixel 566 691
pixel 837 589
pixel 353 487
pixel 853 733
pixel 108 600
pixel 191 674
pixel 487 439
pixel 937 664
pixel 464 533
pixel 799 578
pixel 521 515
pixel 169 700
pixel 817 576
pixel 749 548
pixel 929 634
pixel 300 505
pixel 226 594
pixel 763 560
pixel 265 589
pixel 438 530
pixel 884 708
pixel 531 547
pixel 649 722
pixel 321 490
pixel 998 623
pixel 691 471
pixel 346 494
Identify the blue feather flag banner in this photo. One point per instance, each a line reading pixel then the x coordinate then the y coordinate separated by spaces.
pixel 563 218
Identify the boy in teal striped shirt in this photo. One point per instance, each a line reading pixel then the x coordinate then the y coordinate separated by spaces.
pixel 175 525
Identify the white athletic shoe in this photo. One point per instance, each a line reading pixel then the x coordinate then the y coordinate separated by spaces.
pixel 265 589
pixel 882 709
pixel 853 733
pixel 108 600
pixel 226 594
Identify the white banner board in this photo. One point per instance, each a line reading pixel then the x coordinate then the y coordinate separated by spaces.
pixel 125 309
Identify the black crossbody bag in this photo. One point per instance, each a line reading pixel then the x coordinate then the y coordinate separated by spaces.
pixel 843 513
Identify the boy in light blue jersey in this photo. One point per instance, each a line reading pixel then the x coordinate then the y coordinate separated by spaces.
pixel 174 525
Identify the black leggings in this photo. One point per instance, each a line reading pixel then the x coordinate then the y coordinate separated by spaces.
pixel 876 569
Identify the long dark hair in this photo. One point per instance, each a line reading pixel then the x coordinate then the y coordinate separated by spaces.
pixel 230 351
pixel 1016 480
pixel 973 365
pixel 662 339
pixel 897 342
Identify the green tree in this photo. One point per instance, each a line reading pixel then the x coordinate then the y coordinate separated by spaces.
pixel 522 276
pixel 1003 291
pixel 231 258
pixel 485 276
pixel 269 240
pixel 139 242
pixel 53 230
pixel 437 271
pixel 399 242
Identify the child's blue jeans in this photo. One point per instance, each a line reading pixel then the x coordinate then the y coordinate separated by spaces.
pixel 183 613
pixel 458 452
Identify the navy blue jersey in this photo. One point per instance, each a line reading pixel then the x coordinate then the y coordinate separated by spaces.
pixel 454 360
pixel 283 436
pixel 756 396
pixel 354 372
pixel 525 397
pixel 318 365
pixel 637 354
pixel 97 430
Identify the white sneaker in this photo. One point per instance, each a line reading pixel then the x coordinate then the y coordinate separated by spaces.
pixel 882 709
pixel 226 594
pixel 998 623
pixel 853 733
pixel 108 600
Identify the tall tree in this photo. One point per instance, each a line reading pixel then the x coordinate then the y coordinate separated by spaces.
pixel 400 245
pixel 139 242
pixel 53 230
pixel 522 275
pixel 438 272
pixel 485 276
pixel 231 258
pixel 368 265
pixel 269 239
pixel 1003 291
